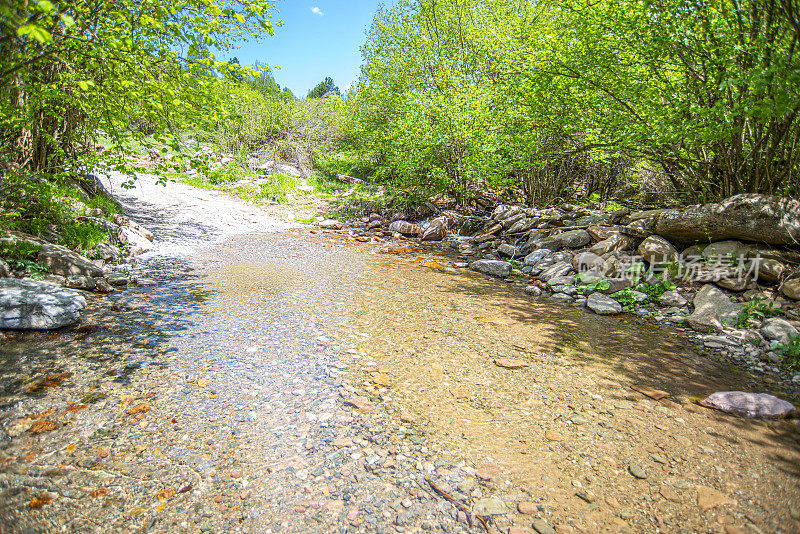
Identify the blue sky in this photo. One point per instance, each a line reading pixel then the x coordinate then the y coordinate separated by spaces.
pixel 318 38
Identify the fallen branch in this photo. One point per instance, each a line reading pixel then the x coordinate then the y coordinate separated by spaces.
pixel 466 509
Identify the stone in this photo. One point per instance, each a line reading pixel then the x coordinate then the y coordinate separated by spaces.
pixel 406 228
pixel 749 217
pixel 137 242
pixel 725 250
pixel 101 285
pixel 746 404
pixel 522 226
pixel 33 305
pixel 560 268
pixel 117 279
pixel 568 239
pixel 778 329
pixel 78 281
pixel 527 507
pixel 658 251
pixel 603 304
pixel 712 310
pixel 791 288
pixel 510 363
pixel 672 299
pixel 490 506
pixel 436 230
pixel 541 526
pixel 330 224
pixel 591 263
pixel 497 268
pixel 61 260
pixel 637 472
pixel 616 242
pixel 107 252
pixel 534 257
pixel 708 498
pixel 770 270
pixel 5 270
pixel 509 251
pixel 655 394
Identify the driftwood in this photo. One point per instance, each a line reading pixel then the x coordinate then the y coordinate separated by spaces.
pixel 466 509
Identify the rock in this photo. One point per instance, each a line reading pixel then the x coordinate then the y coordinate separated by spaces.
pixel 560 268
pixel 32 305
pixel 509 251
pixel 117 279
pixel 589 262
pixel 349 179
pixel 527 507
pixel 101 285
pixel 534 257
pixel 778 329
pixel 745 404
pixel 791 288
pixel 749 217
pixel 406 228
pixel 5 270
pixel 510 363
pixel 708 498
pixel 616 242
pixel 492 267
pixel 725 250
pixel 330 224
pixel 436 230
pixel 522 226
pixel 618 215
pixel 541 526
pixel 504 211
pixel 770 270
pixel 137 243
pixel 603 304
pixel 78 281
pixel 672 299
pixel 658 251
pixel 490 506
pixel 107 252
pixel 601 233
pixel 712 310
pixel 637 472
pixel 60 260
pixel 569 239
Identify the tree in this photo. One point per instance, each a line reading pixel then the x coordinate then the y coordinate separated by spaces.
pixel 71 70
pixel 323 88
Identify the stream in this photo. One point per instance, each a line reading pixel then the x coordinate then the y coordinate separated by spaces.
pixel 280 378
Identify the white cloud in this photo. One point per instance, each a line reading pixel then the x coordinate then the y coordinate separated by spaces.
pixel 317 11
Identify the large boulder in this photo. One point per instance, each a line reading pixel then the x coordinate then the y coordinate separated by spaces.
pixel 777 329
pixel 436 230
pixel 713 309
pixel 569 239
pixel 749 217
pixel 658 251
pixel 60 260
pixel 791 288
pixel 32 305
pixel 603 304
pixel 492 267
pixel 746 404
pixel 406 228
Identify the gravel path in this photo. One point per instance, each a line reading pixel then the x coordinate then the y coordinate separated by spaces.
pixel 279 380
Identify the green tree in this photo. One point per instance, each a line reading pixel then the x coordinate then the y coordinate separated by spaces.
pixel 323 88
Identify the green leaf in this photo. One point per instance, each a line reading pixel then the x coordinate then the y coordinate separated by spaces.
pixel 35 32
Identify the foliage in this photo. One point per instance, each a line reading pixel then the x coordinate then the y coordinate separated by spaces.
pixel 790 351
pixel 580 97
pixel 757 309
pixel 325 87
pixel 628 298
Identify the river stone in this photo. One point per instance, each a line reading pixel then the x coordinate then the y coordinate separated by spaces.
pixel 560 268
pixel 603 304
pixel 536 255
pixel 330 224
pixel 541 527
pixel 657 250
pixel 755 405
pixel 522 226
pixel 34 305
pixel 5 270
pixel 750 217
pixel 490 506
pixel 492 267
pixel 712 309
pixel 722 250
pixel 137 242
pixel 616 242
pixel 569 239
pixel 78 281
pixel 107 252
pixel 791 288
pixel 509 251
pixel 406 228
pixel 778 329
pixel 770 270
pixel 590 262
pixel 672 299
pixel 436 230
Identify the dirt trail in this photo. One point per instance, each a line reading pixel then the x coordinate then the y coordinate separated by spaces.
pixel 278 380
